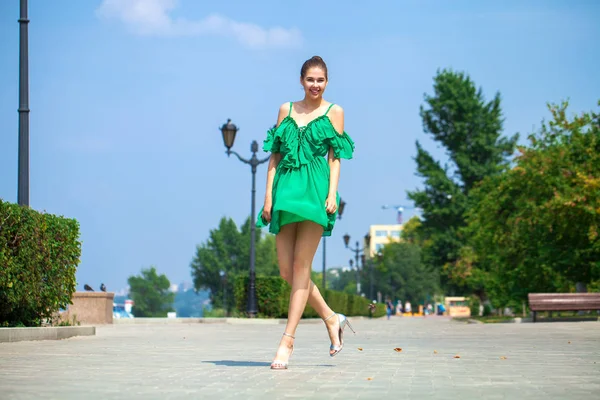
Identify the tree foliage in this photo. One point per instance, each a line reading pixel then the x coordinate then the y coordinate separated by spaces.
pixel 227 250
pixel 535 228
pixel 150 294
pixel 400 274
pixel 459 118
pixel 345 280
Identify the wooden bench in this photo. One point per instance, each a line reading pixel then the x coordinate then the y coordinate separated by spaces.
pixel 563 302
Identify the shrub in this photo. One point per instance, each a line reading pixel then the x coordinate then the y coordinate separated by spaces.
pixel 474 306
pixel 487 310
pixel 273 294
pixel 39 254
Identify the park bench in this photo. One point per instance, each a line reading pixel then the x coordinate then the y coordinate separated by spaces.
pixel 563 302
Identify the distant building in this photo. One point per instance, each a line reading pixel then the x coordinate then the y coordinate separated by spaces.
pixel 382 235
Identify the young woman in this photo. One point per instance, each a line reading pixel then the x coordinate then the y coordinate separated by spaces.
pixel 301 199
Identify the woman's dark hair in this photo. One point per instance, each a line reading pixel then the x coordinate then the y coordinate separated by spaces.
pixel 314 61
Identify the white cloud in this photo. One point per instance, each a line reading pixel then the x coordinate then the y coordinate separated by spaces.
pixel 153 18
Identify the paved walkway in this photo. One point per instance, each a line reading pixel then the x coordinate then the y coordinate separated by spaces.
pixel 231 361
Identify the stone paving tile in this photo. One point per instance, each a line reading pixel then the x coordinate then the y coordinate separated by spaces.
pixel 231 361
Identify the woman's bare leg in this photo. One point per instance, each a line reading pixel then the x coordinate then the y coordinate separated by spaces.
pixel 285 255
pixel 308 236
pixel 286 245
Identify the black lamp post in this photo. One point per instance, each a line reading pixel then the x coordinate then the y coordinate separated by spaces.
pixel 340 212
pixel 357 250
pixel 229 131
pixel 371 267
pixel 23 173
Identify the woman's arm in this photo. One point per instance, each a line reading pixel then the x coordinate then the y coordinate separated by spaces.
pixel 273 162
pixel 336 115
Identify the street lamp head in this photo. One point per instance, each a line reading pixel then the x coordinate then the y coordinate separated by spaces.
pixel 351 263
pixel 229 131
pixel 368 240
pixel 346 239
pixel 341 208
pixel 254 146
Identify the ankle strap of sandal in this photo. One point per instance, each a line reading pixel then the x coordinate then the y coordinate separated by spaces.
pixel 332 315
pixel 287 334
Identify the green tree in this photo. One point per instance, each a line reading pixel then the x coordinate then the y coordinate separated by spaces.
pixel 150 294
pixel 402 275
pixel 412 232
pixel 227 250
pixel 459 118
pixel 535 228
pixel 343 281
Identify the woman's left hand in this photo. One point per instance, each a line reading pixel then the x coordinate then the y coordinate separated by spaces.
pixel 331 204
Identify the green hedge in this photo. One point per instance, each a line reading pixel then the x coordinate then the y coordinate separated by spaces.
pixel 39 254
pixel 273 297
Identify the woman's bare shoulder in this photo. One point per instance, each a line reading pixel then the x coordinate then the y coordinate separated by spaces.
pixel 284 111
pixel 336 116
pixel 285 107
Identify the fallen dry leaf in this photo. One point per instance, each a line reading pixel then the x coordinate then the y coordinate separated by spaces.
pixel 369 379
pixel 398 349
pixel 435 352
pixel 360 349
pixel 503 358
pixel 569 342
pixel 457 356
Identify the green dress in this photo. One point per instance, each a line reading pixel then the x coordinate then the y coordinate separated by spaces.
pixel 301 182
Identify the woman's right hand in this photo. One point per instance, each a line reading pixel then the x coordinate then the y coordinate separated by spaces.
pixel 266 214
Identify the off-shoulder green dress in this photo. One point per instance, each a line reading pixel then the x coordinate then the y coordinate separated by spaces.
pixel 301 182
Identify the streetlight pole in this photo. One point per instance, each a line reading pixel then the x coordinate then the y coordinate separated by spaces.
pixel 351 263
pixel 340 212
pixel 23 179
pixel 229 131
pixel 357 250
pixel 370 262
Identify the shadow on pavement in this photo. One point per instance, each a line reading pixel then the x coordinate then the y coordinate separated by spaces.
pixel 231 363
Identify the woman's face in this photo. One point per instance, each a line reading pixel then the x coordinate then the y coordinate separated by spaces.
pixel 314 83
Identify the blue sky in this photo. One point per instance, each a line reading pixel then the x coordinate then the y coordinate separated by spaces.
pixel 127 96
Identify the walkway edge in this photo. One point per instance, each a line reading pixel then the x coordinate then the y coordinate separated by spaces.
pixel 231 321
pixel 45 333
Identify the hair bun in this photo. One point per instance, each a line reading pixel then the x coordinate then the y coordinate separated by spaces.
pixel 314 61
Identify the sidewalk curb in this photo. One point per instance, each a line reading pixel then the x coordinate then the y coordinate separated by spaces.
pixel 8 335
pixel 229 321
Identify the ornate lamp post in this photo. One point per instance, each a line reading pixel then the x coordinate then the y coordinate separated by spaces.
pixel 340 212
pixel 357 251
pixel 229 130
pixel 371 267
